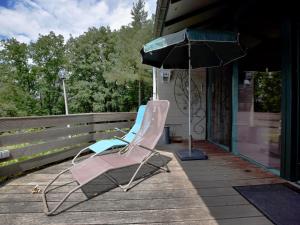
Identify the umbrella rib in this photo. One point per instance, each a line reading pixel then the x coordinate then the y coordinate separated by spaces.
pixel 176 46
pixel 236 58
pixel 212 49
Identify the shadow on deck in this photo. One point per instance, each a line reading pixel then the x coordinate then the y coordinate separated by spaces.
pixel 194 192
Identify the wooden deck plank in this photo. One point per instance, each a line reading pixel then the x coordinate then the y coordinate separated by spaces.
pixel 259 220
pixel 95 205
pixel 139 216
pixel 118 195
pixel 178 177
pixel 25 189
pixel 196 192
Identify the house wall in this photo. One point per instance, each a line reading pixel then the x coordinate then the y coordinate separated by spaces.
pixel 177 93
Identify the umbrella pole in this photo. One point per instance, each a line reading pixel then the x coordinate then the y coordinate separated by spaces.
pixel 190 135
pixel 191 154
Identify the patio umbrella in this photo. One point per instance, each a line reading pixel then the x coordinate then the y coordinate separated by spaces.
pixel 190 49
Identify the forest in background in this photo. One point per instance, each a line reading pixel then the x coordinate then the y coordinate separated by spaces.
pixel 104 70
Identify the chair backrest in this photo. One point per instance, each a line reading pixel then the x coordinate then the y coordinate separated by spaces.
pixel 138 122
pixel 152 126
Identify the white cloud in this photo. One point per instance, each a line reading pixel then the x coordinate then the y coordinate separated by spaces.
pixel 29 18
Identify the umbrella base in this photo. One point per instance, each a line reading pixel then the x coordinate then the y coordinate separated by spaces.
pixel 195 155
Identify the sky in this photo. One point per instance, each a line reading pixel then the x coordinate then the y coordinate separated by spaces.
pixel 26 19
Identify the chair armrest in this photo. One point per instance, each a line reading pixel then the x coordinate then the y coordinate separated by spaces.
pixel 124 149
pixel 149 149
pixel 121 139
pixel 122 131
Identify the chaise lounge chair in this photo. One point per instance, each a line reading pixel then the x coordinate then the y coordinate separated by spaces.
pixel 107 144
pixel 138 153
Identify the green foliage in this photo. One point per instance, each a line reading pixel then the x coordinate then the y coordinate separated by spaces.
pixel 138 13
pixel 81 96
pixel 14 101
pixel 15 55
pixel 125 62
pixel 48 55
pixel 104 71
pixel 267 92
pixel 17 83
pixel 88 55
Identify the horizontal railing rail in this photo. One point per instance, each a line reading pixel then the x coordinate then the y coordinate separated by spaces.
pixel 36 141
pixel 259 119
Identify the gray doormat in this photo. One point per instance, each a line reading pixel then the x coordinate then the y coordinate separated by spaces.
pixel 279 202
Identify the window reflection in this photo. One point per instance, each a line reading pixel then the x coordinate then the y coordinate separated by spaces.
pixel 259 117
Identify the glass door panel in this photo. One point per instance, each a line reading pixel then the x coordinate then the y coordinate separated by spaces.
pixel 259 117
pixel 220 105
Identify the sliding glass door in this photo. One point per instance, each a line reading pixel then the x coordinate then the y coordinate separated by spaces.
pixel 259 117
pixel 219 105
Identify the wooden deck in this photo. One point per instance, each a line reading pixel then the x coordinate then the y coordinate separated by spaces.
pixel 194 192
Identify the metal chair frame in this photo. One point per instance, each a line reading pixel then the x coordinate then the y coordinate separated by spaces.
pixel 125 188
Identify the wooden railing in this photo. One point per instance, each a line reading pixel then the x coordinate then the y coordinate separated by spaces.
pixel 36 141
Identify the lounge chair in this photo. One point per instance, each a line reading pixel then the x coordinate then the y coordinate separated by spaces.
pixel 138 153
pixel 107 144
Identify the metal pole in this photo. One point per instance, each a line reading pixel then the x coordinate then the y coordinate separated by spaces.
pixel 154 96
pixel 190 135
pixel 140 93
pixel 65 97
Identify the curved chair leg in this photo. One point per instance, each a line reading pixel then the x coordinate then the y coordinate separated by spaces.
pixel 165 164
pixel 45 191
pixel 127 186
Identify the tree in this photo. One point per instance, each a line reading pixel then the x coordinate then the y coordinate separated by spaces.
pixel 267 89
pixel 87 56
pixel 14 101
pixel 17 83
pixel 48 56
pixel 105 70
pixel 138 13
pixel 16 55
pixel 125 63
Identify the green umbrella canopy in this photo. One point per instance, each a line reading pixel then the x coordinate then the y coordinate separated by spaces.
pixel 208 49
pixel 192 48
